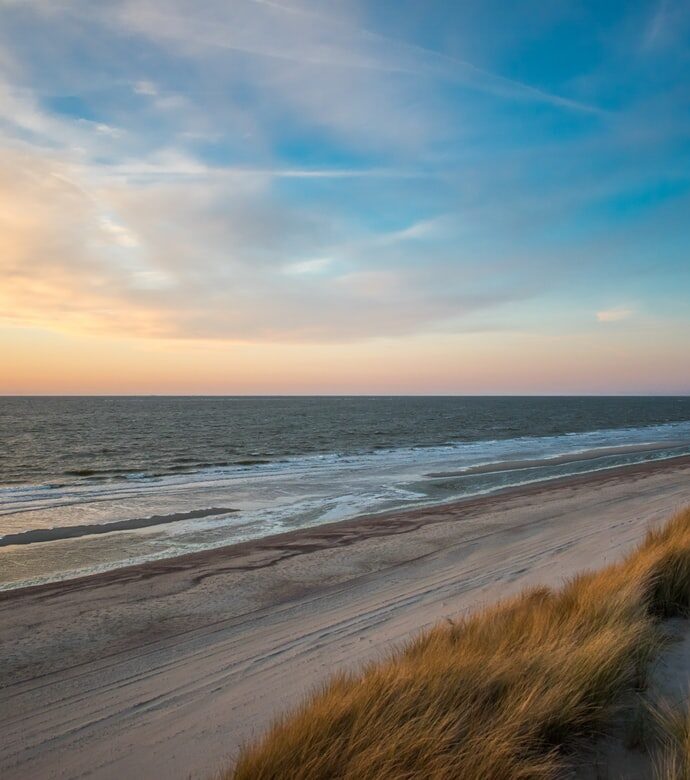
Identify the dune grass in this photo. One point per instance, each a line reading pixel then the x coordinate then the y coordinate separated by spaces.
pixel 504 693
pixel 673 758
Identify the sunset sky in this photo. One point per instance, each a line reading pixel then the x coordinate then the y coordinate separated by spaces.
pixel 292 196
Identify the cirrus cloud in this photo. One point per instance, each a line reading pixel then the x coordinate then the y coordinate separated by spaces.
pixel 615 314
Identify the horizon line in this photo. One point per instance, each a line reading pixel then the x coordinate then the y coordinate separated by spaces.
pixel 685 394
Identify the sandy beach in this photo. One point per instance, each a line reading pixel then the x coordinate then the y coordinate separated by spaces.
pixel 165 669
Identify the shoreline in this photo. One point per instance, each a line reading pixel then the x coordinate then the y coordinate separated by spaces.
pixel 593 454
pixel 269 550
pixel 165 669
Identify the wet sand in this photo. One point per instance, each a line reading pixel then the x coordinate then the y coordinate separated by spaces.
pixel 163 669
pixel 586 455
pixel 40 535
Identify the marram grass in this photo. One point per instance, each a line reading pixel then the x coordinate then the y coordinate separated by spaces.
pixel 501 694
pixel 672 761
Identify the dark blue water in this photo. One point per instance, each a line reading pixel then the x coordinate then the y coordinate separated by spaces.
pixel 76 439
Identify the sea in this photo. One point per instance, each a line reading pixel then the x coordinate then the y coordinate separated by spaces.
pixel 91 484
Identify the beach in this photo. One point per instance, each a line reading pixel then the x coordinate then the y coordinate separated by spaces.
pixel 112 483
pixel 166 668
pixel 345 391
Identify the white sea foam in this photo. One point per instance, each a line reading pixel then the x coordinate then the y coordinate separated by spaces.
pixel 291 493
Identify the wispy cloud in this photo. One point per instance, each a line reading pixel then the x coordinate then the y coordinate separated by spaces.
pixel 263 171
pixel 118 233
pixel 204 260
pixel 145 87
pixel 655 28
pixel 326 40
pixel 669 21
pixel 173 165
pixel 314 266
pixel 419 60
pixel 616 314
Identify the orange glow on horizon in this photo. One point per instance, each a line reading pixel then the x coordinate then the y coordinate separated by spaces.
pixel 40 362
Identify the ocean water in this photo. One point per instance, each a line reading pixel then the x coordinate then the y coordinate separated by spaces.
pixel 88 484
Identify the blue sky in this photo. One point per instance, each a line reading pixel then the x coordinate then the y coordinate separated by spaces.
pixel 294 172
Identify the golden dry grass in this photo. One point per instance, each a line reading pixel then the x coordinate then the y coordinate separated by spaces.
pixel 673 757
pixel 501 694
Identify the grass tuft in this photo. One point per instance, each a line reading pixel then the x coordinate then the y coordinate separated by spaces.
pixel 673 758
pixel 503 693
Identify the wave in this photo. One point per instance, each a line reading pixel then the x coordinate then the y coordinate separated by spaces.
pixel 414 462
pixel 642 433
pixel 160 516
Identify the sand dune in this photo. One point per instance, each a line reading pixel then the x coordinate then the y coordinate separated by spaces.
pixel 162 670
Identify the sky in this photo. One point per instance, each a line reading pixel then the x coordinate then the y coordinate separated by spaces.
pixel 292 196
